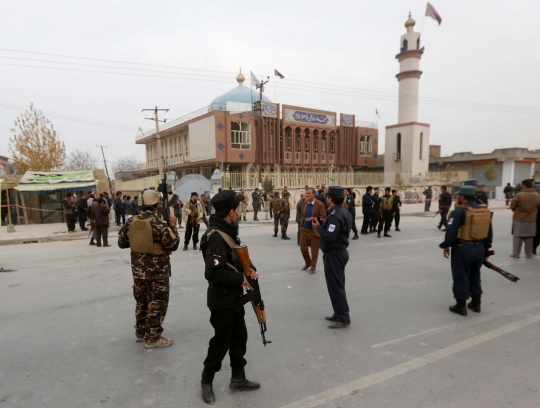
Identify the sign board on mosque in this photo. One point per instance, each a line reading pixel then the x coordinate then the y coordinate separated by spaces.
pixel 347 120
pixel 308 116
pixel 269 110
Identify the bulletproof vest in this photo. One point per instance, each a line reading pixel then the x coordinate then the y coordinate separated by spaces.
pixel 387 202
pixel 275 204
pixel 141 239
pixel 476 227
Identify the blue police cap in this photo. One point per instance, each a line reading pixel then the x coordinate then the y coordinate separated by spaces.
pixel 467 190
pixel 336 191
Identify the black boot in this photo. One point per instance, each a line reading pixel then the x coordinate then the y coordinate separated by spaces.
pixel 206 387
pixel 284 237
pixel 245 219
pixel 387 235
pixel 240 383
pixel 475 303
pixel 355 235
pixel 275 235
pixel 378 235
pixel 185 247
pixel 459 308
pixel 195 247
pixel 397 229
pixel 92 242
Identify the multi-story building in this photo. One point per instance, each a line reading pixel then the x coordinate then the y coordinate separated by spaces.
pixel 289 143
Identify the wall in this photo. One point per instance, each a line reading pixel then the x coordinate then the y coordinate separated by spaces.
pixel 522 171
pixel 201 139
pixel 479 171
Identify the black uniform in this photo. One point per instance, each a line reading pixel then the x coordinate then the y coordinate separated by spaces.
pixel 334 241
pixel 397 209
pixel 349 201
pixel 445 202
pixel 224 290
pixel 429 195
pixel 466 256
pixel 482 197
pixel 376 217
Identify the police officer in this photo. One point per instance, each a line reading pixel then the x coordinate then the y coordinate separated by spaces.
pixel 334 241
pixel 225 284
pixel 445 202
pixel 397 208
pixel 376 218
pixel 349 202
pixel 151 241
pixel 284 214
pixel 276 202
pixel 387 213
pixel 469 237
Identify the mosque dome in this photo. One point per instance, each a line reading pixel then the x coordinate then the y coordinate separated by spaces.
pixel 241 94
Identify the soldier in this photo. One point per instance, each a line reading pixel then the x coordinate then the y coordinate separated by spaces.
pixel 255 196
pixel 243 206
pixel 349 201
pixel 508 191
pixel 445 202
pixel 299 208
pixel 225 284
pixel 193 212
pixel 469 234
pixel 376 217
pixel 284 214
pixel 276 202
pixel 151 241
pixel 386 213
pixel 428 192
pixel 367 210
pixel 397 208
pixel 334 234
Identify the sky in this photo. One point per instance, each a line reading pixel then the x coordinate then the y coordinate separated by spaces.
pixel 479 88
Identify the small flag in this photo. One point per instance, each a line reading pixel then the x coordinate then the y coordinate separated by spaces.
pixel 140 129
pixel 431 12
pixel 277 73
pixel 377 112
pixel 254 79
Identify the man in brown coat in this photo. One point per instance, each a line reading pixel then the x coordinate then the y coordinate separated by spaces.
pixel 525 206
pixel 309 238
pixel 100 219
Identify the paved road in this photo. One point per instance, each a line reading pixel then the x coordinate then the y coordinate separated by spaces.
pixel 67 338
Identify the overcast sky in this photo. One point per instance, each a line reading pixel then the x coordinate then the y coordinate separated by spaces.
pixel 485 56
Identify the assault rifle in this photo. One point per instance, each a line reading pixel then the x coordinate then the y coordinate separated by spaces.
pixel 507 275
pixel 252 295
pixel 164 189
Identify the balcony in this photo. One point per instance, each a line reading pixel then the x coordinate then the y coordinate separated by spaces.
pixel 169 161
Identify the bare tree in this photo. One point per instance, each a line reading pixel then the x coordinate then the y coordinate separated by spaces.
pixel 126 167
pixel 80 160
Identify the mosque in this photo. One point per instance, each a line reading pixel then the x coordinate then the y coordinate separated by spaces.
pixel 293 146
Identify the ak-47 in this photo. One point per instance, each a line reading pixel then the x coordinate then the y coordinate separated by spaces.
pixel 254 295
pixel 507 275
pixel 164 189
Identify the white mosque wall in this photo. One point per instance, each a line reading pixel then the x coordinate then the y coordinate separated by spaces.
pixel 238 107
pixel 202 141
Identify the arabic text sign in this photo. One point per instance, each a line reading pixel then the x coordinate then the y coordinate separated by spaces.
pixel 324 119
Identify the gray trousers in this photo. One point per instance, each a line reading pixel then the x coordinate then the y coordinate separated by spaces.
pixel 528 245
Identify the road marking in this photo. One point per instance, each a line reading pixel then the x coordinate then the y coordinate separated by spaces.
pixel 470 322
pixel 354 387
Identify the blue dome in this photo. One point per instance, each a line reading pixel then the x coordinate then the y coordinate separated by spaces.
pixel 240 94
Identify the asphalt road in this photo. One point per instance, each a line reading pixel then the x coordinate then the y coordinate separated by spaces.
pixel 67 337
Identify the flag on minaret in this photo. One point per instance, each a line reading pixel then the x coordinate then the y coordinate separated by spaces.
pixel 277 73
pixel 431 12
pixel 377 112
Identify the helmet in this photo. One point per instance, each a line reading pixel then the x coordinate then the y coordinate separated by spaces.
pixel 149 198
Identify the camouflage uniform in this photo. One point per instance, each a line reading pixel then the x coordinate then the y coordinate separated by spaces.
pixel 151 277
pixel 284 215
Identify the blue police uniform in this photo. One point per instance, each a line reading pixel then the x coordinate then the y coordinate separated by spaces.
pixel 466 258
pixel 334 241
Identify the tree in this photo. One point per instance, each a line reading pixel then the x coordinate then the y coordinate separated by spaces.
pixel 268 186
pixel 536 173
pixel 125 165
pixel 80 160
pixel 490 172
pixel 35 144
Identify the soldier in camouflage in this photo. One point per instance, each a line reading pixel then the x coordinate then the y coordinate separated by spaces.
pixel 151 241
pixel 284 214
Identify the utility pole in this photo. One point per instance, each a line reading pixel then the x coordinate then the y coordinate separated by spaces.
pixel 260 87
pixel 106 170
pixel 158 137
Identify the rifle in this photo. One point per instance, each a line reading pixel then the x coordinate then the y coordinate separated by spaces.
pixel 255 295
pixel 164 189
pixel 507 275
pixel 437 213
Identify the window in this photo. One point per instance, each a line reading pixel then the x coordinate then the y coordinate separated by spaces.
pixel 365 145
pixel 332 141
pixel 298 136
pixel 306 140
pixel 241 135
pixel 288 136
pixel 421 145
pixel 186 145
pixel 323 142
pixel 315 140
pixel 418 43
pixel 398 147
pixel 405 44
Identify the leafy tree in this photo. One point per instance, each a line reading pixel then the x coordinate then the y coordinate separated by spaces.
pixel 268 186
pixel 490 172
pixel 80 160
pixel 35 144
pixel 536 173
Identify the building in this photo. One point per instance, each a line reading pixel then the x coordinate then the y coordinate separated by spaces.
pixel 4 168
pixel 512 165
pixel 407 142
pixel 294 146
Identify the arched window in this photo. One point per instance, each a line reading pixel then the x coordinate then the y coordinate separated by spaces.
pixel 398 147
pixel 298 138
pixel 288 139
pixel 332 141
pixel 421 145
pixel 418 43
pixel 365 145
pixel 405 45
pixel 306 140
pixel 323 142
pixel 315 141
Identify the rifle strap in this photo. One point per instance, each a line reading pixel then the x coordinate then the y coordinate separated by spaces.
pixel 227 238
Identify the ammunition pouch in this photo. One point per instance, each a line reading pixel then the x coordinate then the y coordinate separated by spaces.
pixel 141 239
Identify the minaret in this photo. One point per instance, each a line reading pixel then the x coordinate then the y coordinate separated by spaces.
pixel 407 143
